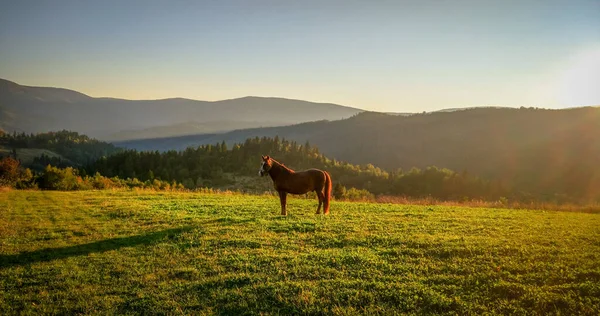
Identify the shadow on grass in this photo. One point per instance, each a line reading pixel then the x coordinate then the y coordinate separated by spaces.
pixel 229 221
pixel 49 254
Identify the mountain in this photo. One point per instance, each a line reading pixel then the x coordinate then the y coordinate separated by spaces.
pixel 41 109
pixel 187 128
pixel 518 146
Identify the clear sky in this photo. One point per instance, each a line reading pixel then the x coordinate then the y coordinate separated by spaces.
pixel 401 56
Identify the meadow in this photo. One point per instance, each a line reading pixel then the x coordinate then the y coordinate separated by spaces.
pixel 143 252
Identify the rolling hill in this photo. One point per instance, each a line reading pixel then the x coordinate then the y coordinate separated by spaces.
pixel 557 150
pixel 41 109
pixel 62 148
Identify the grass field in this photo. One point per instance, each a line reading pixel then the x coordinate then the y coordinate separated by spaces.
pixel 119 252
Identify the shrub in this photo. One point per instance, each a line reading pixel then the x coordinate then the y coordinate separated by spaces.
pixel 26 180
pixel 338 191
pixel 354 194
pixel 53 178
pixel 9 171
pixel 99 182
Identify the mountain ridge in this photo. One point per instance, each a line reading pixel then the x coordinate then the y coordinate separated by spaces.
pixel 106 117
pixel 6 82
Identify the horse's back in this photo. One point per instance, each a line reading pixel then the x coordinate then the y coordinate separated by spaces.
pixel 313 170
pixel 304 181
pixel 317 173
pixel 317 176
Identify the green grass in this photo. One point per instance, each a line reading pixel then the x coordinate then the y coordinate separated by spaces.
pixel 118 252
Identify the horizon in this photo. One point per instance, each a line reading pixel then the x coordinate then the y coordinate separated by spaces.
pixel 310 101
pixel 390 57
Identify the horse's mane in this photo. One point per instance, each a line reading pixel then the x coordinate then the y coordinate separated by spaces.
pixel 275 162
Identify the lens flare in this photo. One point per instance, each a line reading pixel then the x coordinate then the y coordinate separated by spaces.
pixel 579 84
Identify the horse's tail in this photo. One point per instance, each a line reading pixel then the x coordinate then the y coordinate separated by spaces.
pixel 327 193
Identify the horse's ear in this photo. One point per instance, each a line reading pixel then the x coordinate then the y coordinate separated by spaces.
pixel 263 157
pixel 267 157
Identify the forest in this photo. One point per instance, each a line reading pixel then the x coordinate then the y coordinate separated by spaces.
pixel 532 152
pixel 221 167
pixel 73 149
pixel 218 166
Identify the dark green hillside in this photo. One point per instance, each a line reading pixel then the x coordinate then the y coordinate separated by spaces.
pixel 535 151
pixel 218 166
pixel 63 148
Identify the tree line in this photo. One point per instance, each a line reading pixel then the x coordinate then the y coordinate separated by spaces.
pixel 12 174
pixel 219 166
pixel 235 168
pixel 74 148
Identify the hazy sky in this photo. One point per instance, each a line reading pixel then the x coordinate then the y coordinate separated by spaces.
pixel 401 56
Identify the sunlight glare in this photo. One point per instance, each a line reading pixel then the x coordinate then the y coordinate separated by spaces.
pixel 579 84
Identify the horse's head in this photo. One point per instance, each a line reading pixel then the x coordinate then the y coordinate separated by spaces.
pixel 265 165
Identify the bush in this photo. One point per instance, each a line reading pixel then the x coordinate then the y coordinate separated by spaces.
pixel 26 180
pixel 338 191
pixel 12 175
pixel 99 182
pixel 54 178
pixel 353 194
pixel 67 179
pixel 9 171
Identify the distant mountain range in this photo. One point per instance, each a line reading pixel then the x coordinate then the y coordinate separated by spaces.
pixel 41 109
pixel 555 149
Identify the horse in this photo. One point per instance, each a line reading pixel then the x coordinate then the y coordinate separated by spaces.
pixel 287 181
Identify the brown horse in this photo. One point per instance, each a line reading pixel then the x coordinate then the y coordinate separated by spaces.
pixel 287 181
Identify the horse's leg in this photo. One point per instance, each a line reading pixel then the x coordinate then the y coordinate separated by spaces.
pixel 321 197
pixel 282 199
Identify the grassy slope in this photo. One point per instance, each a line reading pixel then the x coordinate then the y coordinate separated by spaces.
pixel 123 252
pixel 26 155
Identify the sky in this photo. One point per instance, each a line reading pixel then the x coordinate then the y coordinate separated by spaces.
pixel 389 56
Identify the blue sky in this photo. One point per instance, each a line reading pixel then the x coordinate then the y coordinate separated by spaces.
pixel 401 56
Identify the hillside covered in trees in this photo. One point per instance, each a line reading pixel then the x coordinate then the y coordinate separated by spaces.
pixel 235 167
pixel 62 149
pixel 535 151
pixel 219 166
